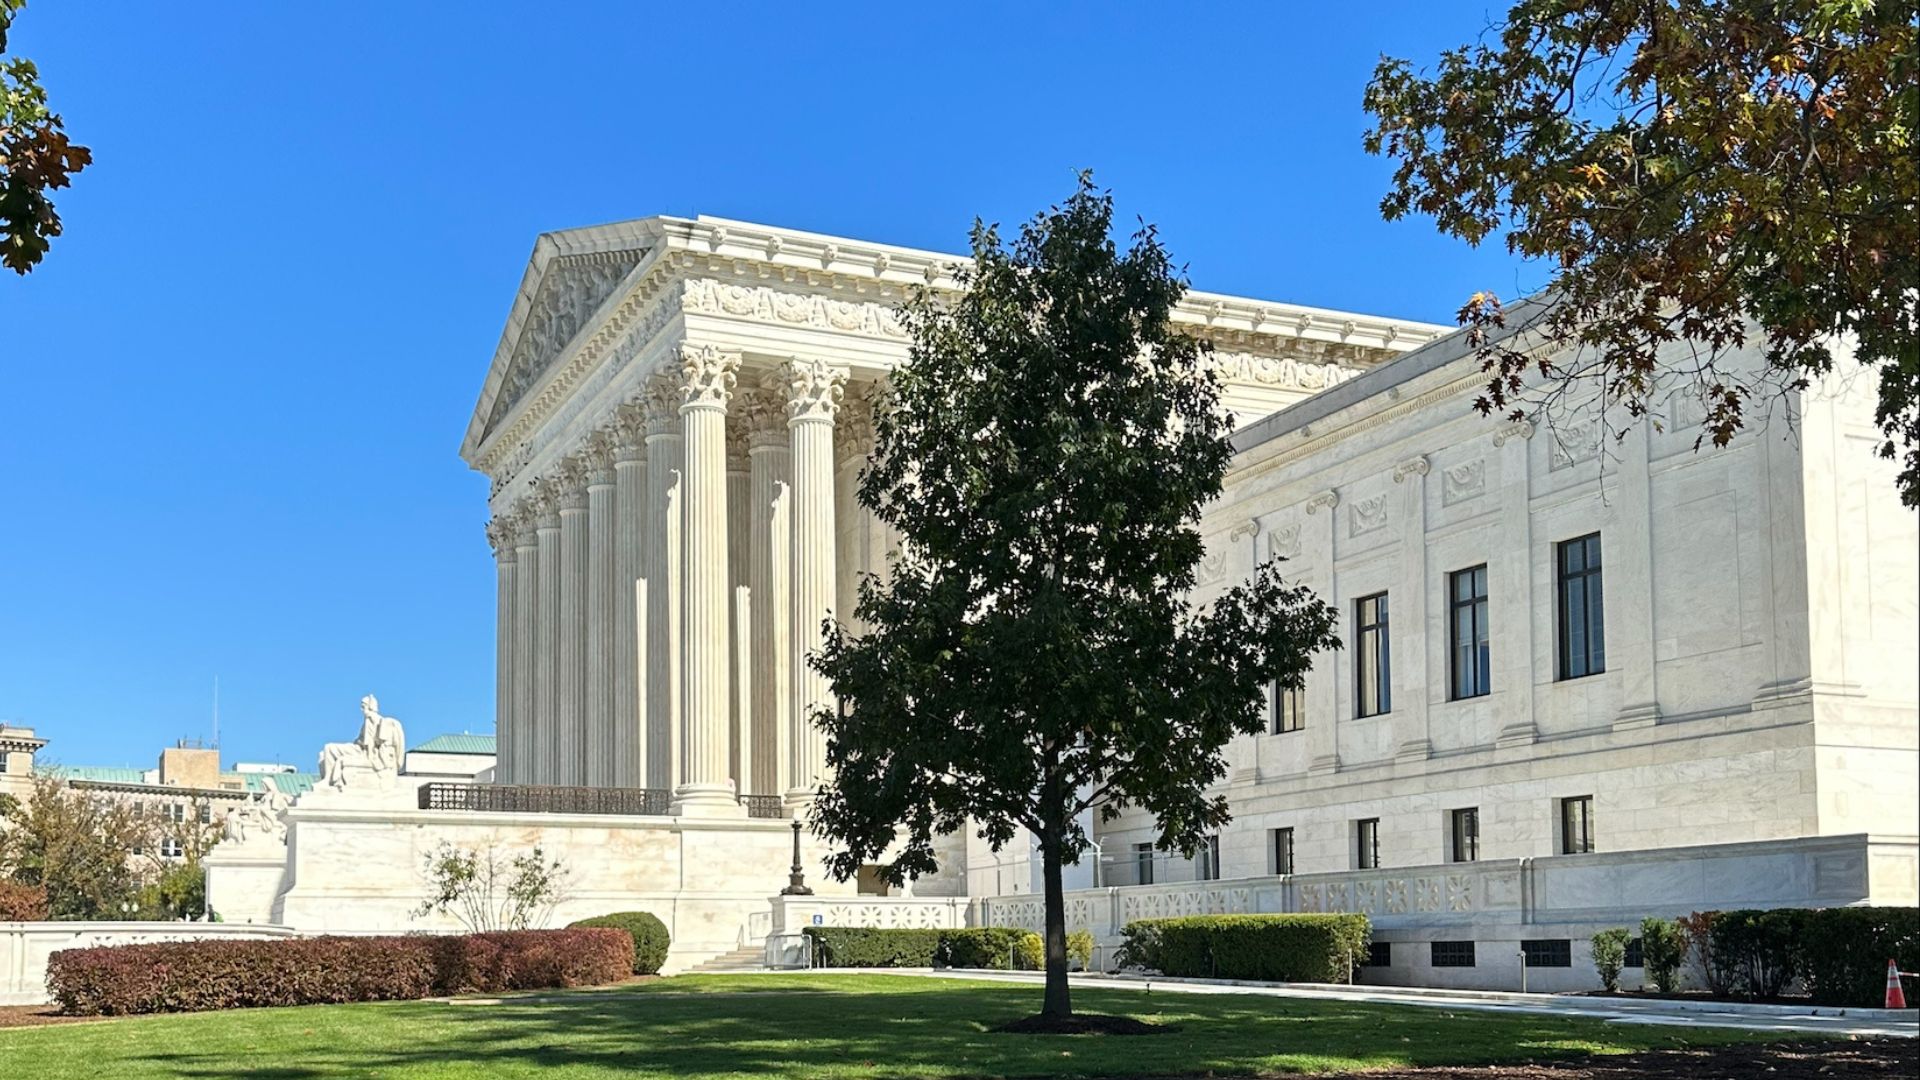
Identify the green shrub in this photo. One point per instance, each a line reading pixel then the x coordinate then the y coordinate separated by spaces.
pixel 1759 949
pixel 1844 952
pixel 650 939
pixel 1663 948
pixel 1610 955
pixel 1273 948
pixel 996 947
pixel 1032 952
pixel 865 946
pixel 1080 949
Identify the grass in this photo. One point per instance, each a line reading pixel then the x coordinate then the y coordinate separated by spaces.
pixel 814 1026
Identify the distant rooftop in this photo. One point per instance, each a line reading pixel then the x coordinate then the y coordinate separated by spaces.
pixel 291 783
pixel 457 744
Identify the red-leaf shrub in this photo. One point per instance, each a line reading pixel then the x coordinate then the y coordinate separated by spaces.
pixel 22 903
pixel 189 976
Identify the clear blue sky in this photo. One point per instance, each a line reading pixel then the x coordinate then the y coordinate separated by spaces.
pixel 234 392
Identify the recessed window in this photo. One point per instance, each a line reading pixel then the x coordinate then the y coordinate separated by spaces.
pixel 1372 656
pixel 1366 834
pixel 1379 954
pixel 1576 825
pixel 176 812
pixel 1472 663
pixel 1143 864
pixel 1552 953
pixel 206 813
pixel 1466 834
pixel 1289 709
pixel 1582 636
pixel 1636 956
pixel 1283 850
pixel 1451 954
pixel 170 847
pixel 1210 858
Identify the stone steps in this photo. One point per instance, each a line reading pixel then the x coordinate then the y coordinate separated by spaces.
pixel 749 958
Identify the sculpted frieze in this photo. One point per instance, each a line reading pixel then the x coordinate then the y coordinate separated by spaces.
pixel 573 289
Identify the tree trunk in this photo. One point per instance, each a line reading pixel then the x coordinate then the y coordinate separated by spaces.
pixel 1058 1003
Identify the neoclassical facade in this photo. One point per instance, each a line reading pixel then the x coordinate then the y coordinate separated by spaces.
pixel 674 423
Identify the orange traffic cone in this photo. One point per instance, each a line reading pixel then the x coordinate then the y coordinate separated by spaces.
pixel 1896 998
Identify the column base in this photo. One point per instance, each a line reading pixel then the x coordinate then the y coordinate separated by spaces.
pixel 797 800
pixel 706 801
pixel 1414 750
pixel 1521 734
pixel 1644 715
pixel 1321 766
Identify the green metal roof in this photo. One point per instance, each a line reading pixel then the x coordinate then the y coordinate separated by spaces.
pixel 457 744
pixel 289 783
pixel 104 774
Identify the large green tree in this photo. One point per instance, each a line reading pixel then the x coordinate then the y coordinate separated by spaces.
pixel 35 156
pixel 81 846
pixel 1034 650
pixel 1685 169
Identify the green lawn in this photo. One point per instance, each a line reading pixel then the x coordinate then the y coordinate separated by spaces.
pixel 814 1026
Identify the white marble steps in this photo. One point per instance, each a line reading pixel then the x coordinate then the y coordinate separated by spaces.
pixel 751 958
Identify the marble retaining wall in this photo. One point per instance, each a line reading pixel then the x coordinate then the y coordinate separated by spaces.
pixel 25 946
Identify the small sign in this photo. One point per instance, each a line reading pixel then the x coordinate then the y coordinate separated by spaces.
pixel 818 920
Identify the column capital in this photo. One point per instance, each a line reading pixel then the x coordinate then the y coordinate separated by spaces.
pixel 737 445
pixel 662 404
pixel 500 534
pixel 599 456
pixel 856 426
pixel 1413 466
pixel 763 415
pixel 546 504
pixel 813 388
pixel 707 376
pixel 1328 499
pixel 1519 429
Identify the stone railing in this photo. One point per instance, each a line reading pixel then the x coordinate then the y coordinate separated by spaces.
pixel 25 946
pixel 786 945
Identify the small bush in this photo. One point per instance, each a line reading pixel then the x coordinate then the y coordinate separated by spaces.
pixel 1760 949
pixel 1275 948
pixel 1844 952
pixel 650 938
pixel 1663 948
pixel 1610 955
pixel 1032 952
pixel 1699 930
pixel 1080 949
pixel 862 946
pixel 190 976
pixel 996 947
pixel 20 902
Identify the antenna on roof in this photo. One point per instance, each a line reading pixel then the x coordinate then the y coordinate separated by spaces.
pixel 216 712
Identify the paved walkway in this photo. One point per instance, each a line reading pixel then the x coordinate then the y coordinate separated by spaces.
pixel 1780 1018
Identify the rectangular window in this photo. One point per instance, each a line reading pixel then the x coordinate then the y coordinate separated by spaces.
pixel 6 761
pixel 1143 864
pixel 1576 825
pixel 1379 954
pixel 1472 664
pixel 1372 658
pixel 1636 956
pixel 1289 709
pixel 1451 954
pixel 1466 834
pixel 206 813
pixel 170 847
pixel 1283 850
pixel 176 812
pixel 1210 858
pixel 1583 638
pixel 1553 953
pixel 1367 837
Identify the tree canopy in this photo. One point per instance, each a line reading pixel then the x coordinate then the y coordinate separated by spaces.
pixel 1688 170
pixel 35 156
pixel 1035 649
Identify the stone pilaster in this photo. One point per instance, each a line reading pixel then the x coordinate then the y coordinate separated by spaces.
pixel 705 787
pixel 769 542
pixel 662 695
pixel 629 559
pixel 1630 648
pixel 500 538
pixel 570 726
pixel 526 648
pixel 546 707
pixel 603 593
pixel 1510 589
pixel 1411 688
pixel 1323 682
pixel 814 390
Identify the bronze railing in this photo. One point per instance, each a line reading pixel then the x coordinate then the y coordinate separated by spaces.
pixel 542 799
pixel 764 806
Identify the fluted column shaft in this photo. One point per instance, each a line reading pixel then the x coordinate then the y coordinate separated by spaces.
pixel 500 535
pixel 769 479
pixel 546 707
pixel 705 787
pixel 603 591
pixel 814 390
pixel 663 596
pixel 629 657
pixel 740 598
pixel 526 645
pixel 571 725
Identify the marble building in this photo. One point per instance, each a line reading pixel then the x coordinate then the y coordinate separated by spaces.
pixel 673 424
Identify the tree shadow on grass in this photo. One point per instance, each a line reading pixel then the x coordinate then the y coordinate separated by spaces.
pixel 802 1030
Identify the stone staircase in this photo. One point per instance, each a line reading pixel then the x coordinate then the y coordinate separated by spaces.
pixel 748 958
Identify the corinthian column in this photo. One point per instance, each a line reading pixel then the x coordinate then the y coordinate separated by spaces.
pixel 769 480
pixel 500 538
pixel 629 557
pixel 546 706
pixel 571 726
pixel 603 591
pixel 662 694
pixel 526 648
pixel 739 597
pixel 813 396
pixel 705 789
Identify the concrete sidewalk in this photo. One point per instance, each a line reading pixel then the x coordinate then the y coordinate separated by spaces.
pixel 1748 1017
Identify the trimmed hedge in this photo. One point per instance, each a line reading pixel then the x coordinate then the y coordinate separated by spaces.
pixel 1844 953
pixel 999 947
pixel 1272 948
pixel 191 976
pixel 650 938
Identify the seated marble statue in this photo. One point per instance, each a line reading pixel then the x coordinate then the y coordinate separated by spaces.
pixel 377 753
pixel 261 817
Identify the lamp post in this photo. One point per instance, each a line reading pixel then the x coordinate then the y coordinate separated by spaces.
pixel 797 877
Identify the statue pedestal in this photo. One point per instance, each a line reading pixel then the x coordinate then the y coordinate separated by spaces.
pixel 244 881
